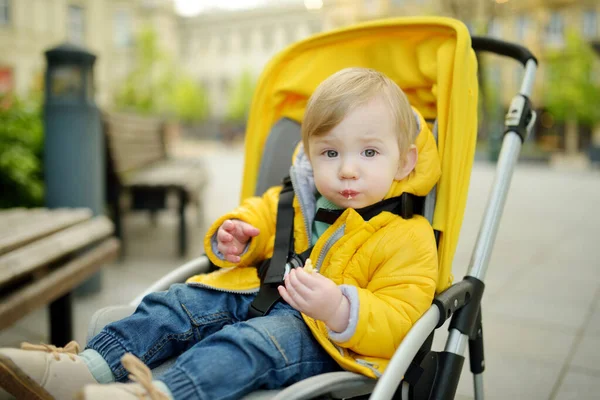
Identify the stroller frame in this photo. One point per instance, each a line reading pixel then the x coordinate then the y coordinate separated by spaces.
pixel 461 302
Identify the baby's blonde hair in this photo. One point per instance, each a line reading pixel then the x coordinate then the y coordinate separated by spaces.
pixel 346 89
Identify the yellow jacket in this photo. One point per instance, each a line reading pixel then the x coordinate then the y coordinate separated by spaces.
pixel 386 266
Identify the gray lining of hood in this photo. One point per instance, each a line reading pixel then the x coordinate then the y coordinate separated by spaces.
pixel 306 189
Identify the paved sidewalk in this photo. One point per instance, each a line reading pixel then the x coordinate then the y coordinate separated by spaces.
pixel 541 305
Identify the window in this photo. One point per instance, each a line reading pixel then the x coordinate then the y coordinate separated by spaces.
pixel 554 29
pixel 314 27
pixel 267 37
pixel 245 40
pixel 590 24
pixel 523 25
pixel 494 29
pixel 4 12
pixel 290 33
pixel 7 82
pixel 76 28
pixel 226 41
pixel 122 29
pixel 370 6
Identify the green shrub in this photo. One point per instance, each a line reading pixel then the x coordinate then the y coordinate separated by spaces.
pixel 21 144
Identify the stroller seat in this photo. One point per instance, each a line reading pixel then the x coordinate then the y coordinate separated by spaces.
pixel 433 60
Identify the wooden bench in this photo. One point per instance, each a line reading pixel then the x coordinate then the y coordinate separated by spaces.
pixel 138 163
pixel 44 255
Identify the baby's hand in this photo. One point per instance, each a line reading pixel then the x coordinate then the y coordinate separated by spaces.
pixel 316 296
pixel 232 237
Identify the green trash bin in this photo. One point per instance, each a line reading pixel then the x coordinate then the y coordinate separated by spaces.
pixel 73 142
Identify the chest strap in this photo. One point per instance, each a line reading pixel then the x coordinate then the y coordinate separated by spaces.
pixel 272 271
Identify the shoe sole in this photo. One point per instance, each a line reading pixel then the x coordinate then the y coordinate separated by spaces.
pixel 19 384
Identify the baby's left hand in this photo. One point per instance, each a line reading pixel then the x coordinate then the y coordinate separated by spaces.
pixel 316 296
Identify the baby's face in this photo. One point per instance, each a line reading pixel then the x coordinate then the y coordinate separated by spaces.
pixel 356 162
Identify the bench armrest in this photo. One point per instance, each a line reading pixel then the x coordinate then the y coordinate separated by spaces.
pixel 193 267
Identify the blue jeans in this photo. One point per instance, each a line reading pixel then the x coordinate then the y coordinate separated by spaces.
pixel 221 353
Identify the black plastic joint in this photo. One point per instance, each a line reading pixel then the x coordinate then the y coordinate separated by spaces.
pixel 452 299
pixel 465 320
pixel 476 357
pixel 519 116
pixel 448 376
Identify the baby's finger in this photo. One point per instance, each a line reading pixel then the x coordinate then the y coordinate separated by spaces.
pixel 249 230
pixel 226 249
pixel 287 298
pixel 228 225
pixel 298 285
pixel 223 236
pixel 305 278
pixel 232 258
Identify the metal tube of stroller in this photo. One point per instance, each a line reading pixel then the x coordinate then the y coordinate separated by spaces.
pixel 528 78
pixel 509 153
pixel 394 373
pixel 478 386
pixel 507 160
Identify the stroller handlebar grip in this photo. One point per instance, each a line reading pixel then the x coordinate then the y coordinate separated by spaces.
pixel 500 47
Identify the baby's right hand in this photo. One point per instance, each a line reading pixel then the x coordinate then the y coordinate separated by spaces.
pixel 232 237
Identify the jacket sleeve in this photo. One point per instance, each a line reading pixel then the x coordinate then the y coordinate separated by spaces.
pixel 399 292
pixel 260 212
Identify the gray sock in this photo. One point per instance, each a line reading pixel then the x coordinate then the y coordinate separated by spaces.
pixel 97 366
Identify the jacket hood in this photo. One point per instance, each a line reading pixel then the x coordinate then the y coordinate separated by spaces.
pixel 419 182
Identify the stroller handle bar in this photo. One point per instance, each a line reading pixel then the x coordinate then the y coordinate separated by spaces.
pixel 502 48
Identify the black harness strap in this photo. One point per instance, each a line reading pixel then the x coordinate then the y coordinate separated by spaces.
pixel 284 229
pixel 405 205
pixel 272 271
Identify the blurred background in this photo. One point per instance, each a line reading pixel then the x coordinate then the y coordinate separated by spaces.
pixel 196 62
pixel 193 65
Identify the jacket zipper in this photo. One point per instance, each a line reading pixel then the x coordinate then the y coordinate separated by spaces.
pixel 339 232
pixel 370 365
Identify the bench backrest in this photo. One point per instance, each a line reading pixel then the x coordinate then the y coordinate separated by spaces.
pixel 133 141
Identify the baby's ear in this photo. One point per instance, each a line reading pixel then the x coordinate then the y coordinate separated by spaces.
pixel 408 164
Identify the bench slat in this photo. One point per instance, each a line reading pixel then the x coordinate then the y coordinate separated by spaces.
pixel 33 226
pixel 134 141
pixel 10 218
pixel 56 283
pixel 27 259
pixel 172 173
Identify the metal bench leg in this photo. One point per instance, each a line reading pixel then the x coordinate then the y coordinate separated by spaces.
pixel 117 219
pixel 183 200
pixel 61 320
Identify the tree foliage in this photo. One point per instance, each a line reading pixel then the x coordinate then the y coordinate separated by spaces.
pixel 241 98
pixel 188 101
pixel 572 90
pixel 157 86
pixel 21 144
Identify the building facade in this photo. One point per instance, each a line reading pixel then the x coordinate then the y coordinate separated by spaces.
pixel 106 28
pixel 218 47
pixel 540 25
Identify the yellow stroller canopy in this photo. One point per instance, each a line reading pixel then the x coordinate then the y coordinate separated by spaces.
pixel 430 58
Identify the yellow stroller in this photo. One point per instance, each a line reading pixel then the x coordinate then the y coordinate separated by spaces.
pixel 433 61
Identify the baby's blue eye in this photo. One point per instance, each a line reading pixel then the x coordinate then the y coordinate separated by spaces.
pixel 331 153
pixel 369 153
